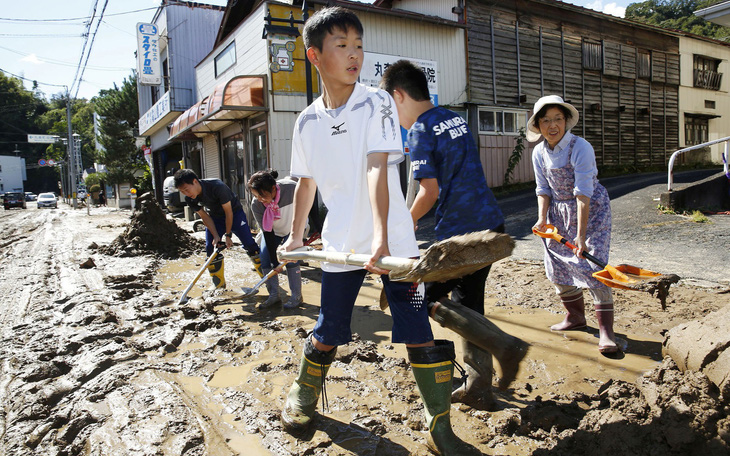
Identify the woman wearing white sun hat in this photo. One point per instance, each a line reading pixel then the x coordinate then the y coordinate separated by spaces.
pixel 570 197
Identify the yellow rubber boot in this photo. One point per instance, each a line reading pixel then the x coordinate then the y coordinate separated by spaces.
pixel 215 268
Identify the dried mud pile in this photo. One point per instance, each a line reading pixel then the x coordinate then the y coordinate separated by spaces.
pixel 151 232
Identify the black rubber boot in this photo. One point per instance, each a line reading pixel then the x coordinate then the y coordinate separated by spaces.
pixel 476 391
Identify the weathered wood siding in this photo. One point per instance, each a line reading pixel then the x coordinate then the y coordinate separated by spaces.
pixel 519 52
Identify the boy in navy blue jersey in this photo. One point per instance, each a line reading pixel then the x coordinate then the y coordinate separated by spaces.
pixel 223 216
pixel 446 163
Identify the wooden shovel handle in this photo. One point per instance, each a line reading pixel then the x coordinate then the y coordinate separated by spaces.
pixel 552 233
pixel 387 262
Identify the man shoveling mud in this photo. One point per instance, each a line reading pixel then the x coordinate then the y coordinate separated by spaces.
pixel 221 212
pixel 446 164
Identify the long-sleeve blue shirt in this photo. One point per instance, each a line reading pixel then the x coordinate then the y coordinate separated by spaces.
pixel 583 160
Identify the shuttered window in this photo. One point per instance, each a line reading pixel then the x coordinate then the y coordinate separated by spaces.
pixel 643 65
pixel 592 55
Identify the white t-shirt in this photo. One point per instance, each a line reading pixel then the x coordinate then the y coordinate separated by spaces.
pixel 331 147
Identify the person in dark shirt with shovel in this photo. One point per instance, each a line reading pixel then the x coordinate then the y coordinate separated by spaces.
pixel 221 212
pixel 446 163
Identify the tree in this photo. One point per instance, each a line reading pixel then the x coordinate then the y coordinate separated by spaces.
pixel 677 15
pixel 19 113
pixel 118 126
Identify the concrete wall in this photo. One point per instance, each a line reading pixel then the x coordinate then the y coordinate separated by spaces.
pixel 712 193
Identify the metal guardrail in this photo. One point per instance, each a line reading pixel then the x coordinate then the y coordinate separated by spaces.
pixel 726 158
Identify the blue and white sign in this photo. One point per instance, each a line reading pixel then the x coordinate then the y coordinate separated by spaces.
pixel 155 113
pixel 148 54
pixel 374 65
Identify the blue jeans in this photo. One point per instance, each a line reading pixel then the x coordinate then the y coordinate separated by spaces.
pixel 240 228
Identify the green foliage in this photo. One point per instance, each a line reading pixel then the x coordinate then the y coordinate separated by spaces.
pixel 94 179
pixel 678 15
pixel 118 128
pixel 515 157
pixel 94 188
pixel 698 217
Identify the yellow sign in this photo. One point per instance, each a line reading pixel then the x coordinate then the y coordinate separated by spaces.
pixel 133 191
pixel 287 57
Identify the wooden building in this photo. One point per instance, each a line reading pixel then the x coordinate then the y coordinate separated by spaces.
pixel 622 76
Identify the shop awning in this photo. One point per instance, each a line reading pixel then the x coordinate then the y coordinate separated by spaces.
pixel 236 99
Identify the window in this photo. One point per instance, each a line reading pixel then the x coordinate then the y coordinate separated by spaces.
pixel 166 75
pixel 494 121
pixel 695 130
pixel 155 93
pixel 643 65
pixel 592 56
pixel 709 104
pixel 225 59
pixel 706 75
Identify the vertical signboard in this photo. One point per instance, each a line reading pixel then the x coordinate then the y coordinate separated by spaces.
pixel 148 54
pixel 287 57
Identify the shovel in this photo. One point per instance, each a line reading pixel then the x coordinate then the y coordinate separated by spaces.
pixel 445 260
pixel 248 292
pixel 218 249
pixel 623 276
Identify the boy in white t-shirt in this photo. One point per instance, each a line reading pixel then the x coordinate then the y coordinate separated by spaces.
pixel 347 143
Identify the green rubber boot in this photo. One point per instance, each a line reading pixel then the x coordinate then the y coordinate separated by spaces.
pixel 433 368
pixel 304 393
pixel 215 268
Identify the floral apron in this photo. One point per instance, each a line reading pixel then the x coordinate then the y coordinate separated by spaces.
pixel 562 266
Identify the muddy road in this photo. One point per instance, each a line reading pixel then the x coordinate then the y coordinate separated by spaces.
pixel 101 360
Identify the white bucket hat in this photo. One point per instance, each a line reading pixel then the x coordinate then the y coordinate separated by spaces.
pixel 533 132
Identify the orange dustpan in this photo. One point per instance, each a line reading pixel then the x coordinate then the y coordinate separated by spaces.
pixel 622 276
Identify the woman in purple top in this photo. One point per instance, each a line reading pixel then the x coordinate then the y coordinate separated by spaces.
pixel 570 197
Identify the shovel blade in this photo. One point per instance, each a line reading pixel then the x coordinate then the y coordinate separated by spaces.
pixel 624 276
pixel 248 292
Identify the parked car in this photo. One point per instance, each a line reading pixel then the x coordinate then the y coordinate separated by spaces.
pixel 47 200
pixel 14 199
pixel 30 196
pixel 171 196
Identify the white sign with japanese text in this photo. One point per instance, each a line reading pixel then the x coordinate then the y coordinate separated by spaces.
pixel 374 65
pixel 148 54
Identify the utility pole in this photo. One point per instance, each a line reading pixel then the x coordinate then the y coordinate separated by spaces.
pixel 70 150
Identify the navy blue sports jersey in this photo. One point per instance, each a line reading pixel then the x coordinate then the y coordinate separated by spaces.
pixel 442 147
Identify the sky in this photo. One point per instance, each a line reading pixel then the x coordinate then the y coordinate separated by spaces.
pixel 42 40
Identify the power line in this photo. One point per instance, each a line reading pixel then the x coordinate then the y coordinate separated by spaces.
pixel 9 19
pixel 31 80
pixel 67 35
pixel 91 45
pixel 86 41
pixel 61 62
